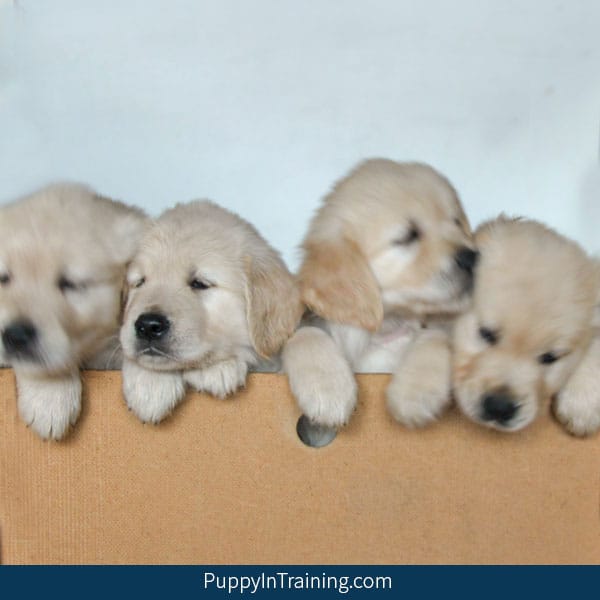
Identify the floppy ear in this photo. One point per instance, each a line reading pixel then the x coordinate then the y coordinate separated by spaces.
pixel 273 307
pixel 337 284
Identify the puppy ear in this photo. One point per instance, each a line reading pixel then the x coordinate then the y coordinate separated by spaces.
pixel 337 284
pixel 273 307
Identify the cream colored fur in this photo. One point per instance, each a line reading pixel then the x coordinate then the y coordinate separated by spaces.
pixel 379 267
pixel 538 292
pixel 249 307
pixel 63 256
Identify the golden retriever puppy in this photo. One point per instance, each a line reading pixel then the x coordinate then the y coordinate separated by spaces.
pixel 207 298
pixel 63 257
pixel 530 325
pixel 387 259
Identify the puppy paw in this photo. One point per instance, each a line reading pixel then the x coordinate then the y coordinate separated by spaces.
pixel 49 405
pixel 420 389
pixel 320 378
pixel 151 395
pixel 325 398
pixel 577 407
pixel 220 380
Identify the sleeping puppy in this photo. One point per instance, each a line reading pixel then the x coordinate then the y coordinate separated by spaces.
pixel 63 256
pixel 208 297
pixel 530 326
pixel 388 260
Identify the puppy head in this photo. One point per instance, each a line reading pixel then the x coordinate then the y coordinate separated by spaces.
pixel 529 324
pixel 389 238
pixel 205 286
pixel 63 254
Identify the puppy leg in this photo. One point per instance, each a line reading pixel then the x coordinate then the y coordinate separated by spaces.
pixel 49 405
pixel 151 395
pixel 420 389
pixel 577 405
pixel 320 377
pixel 220 380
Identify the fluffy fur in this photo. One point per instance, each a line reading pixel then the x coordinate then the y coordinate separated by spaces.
pixel 387 259
pixel 63 256
pixel 526 338
pixel 221 298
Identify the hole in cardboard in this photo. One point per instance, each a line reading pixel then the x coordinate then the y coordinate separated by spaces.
pixel 313 435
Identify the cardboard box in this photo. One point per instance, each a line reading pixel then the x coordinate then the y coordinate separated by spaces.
pixel 228 481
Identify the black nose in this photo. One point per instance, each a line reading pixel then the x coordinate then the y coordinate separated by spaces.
pixel 466 259
pixel 151 326
pixel 499 406
pixel 19 337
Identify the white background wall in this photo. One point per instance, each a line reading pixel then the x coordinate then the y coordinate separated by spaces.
pixel 262 104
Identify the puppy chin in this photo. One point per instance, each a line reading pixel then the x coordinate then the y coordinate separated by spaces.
pixel 159 359
pixel 155 362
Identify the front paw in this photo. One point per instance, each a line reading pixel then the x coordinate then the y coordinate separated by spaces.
pixel 326 397
pixel 320 377
pixel 220 380
pixel 151 395
pixel 420 389
pixel 49 405
pixel 325 390
pixel 577 407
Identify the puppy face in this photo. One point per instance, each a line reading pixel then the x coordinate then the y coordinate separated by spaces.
pixel 390 238
pixel 529 325
pixel 63 253
pixel 204 287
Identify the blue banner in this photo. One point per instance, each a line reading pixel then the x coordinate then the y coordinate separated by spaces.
pixel 228 582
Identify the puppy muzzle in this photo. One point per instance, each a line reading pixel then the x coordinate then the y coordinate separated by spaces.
pixel 152 337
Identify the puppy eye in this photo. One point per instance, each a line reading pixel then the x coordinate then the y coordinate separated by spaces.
pixel 4 278
pixel 411 236
pixel 65 284
pixel 139 283
pixel 548 358
pixel 198 284
pixel 489 335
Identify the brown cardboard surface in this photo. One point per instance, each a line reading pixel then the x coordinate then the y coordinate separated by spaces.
pixel 227 481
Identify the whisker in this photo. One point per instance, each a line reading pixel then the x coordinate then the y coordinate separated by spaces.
pixel 112 355
pixel 155 350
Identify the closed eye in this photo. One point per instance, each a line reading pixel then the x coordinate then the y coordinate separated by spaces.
pixel 200 284
pixel 548 358
pixel 411 236
pixel 140 282
pixel 489 335
pixel 65 284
